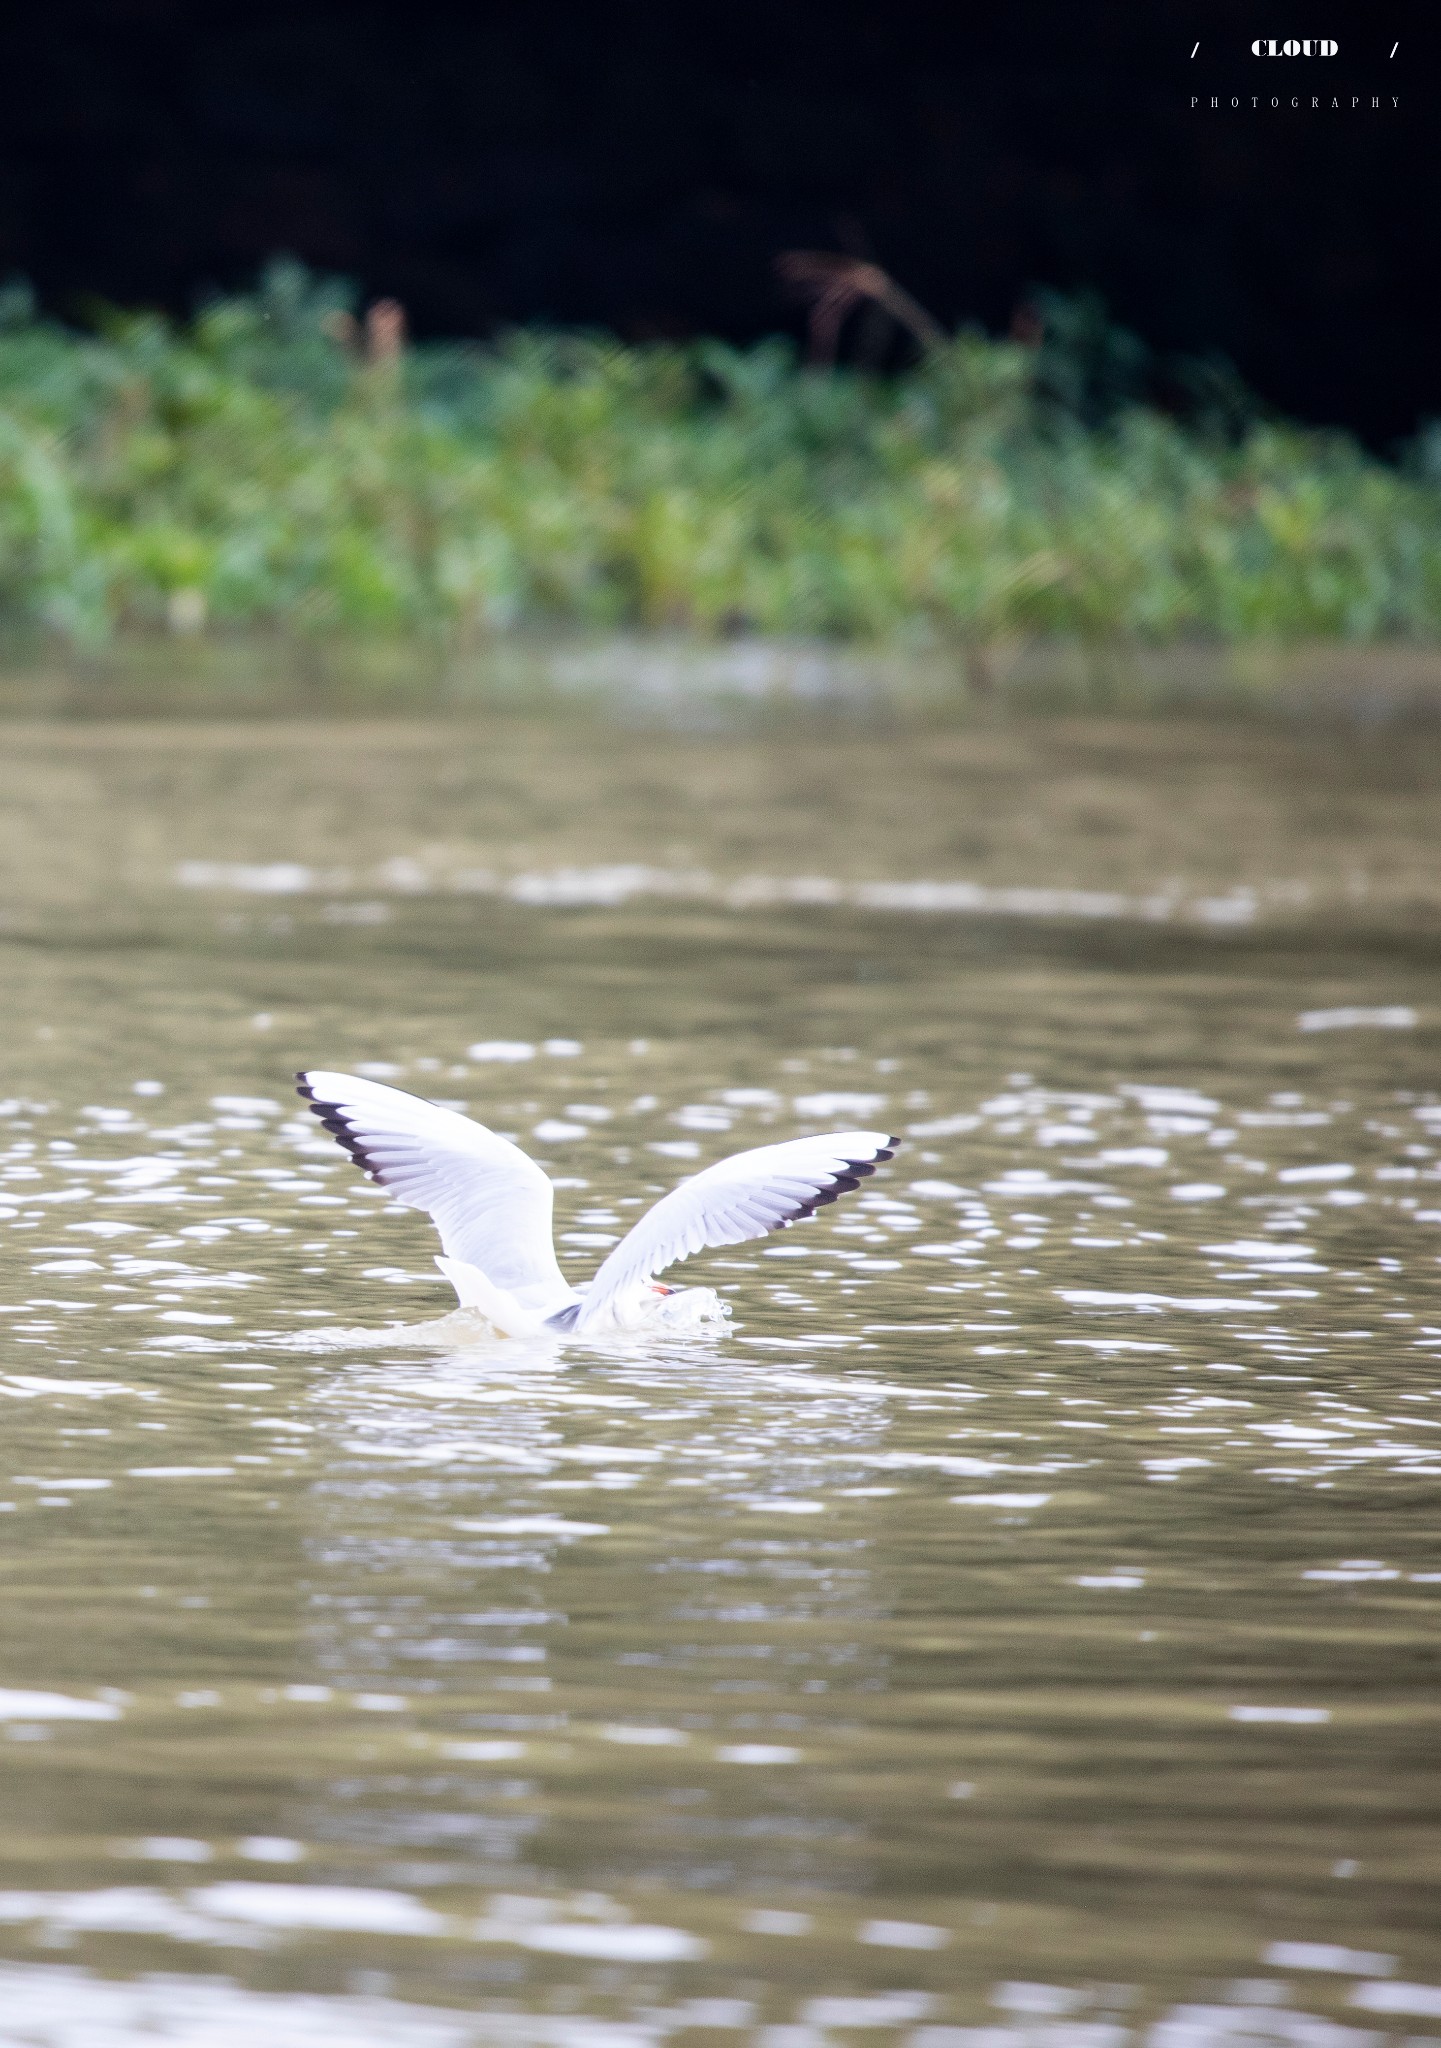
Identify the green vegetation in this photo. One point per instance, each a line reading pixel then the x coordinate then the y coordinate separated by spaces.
pixel 256 470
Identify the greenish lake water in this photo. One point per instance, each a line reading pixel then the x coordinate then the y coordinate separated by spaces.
pixel 1016 1628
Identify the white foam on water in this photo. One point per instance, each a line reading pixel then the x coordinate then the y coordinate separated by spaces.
pixel 1102 1297
pixel 1303 1717
pixel 605 887
pixel 54 1706
pixel 1422 1999
pixel 168 1849
pixel 1326 1955
pixel 1246 2026
pixel 902 1934
pixel 256 878
pixel 1261 1250
pixel 122 1909
pixel 180 1471
pixel 880 2008
pixel 839 1102
pixel 1387 1017
pixel 629 1943
pixel 1001 1500
pixel 643 1737
pixel 333 1908
pixel 776 1920
pixel 534 1525
pixel 611 885
pixel 50 2005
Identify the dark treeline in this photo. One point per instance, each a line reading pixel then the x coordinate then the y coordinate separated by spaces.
pixel 640 167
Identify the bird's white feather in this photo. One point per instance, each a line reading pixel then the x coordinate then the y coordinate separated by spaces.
pixel 491 1204
pixel 742 1197
pixel 501 1310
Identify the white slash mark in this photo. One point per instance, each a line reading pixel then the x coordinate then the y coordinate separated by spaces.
pixel 1198 47
pixel 1394 48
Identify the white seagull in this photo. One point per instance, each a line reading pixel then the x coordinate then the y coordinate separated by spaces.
pixel 492 1205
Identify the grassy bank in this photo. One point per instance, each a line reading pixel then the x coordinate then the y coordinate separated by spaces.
pixel 256 470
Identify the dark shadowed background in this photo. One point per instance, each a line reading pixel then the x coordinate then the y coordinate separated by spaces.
pixel 639 166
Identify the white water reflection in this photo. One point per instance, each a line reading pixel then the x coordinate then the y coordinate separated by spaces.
pixel 59 2006
pixel 612 885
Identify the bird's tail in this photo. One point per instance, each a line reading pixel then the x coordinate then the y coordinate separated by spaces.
pixel 498 1307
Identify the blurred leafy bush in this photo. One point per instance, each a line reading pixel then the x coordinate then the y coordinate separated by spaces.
pixel 257 468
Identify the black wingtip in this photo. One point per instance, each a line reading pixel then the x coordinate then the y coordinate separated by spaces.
pixel 847 1181
pixel 333 1120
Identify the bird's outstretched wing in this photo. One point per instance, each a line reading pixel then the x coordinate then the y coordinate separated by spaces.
pixel 737 1198
pixel 491 1205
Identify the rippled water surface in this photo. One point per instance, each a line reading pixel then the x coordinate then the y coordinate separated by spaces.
pixel 1015 1629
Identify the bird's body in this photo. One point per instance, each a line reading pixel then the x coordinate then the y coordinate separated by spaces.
pixel 492 1206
